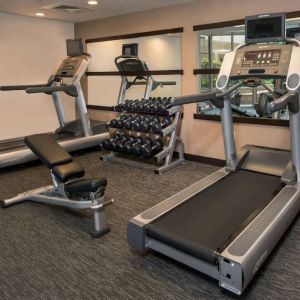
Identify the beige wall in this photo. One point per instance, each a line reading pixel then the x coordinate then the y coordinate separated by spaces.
pixel 30 50
pixel 200 137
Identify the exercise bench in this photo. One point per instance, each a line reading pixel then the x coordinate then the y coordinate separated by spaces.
pixel 70 188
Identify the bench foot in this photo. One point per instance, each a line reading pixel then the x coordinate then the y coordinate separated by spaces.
pixel 97 234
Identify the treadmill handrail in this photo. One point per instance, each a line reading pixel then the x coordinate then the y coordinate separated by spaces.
pixel 127 57
pixel 70 90
pixel 193 98
pixel 215 96
pixel 20 87
pixel 136 58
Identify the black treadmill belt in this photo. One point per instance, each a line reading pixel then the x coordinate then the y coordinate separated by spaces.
pixel 207 222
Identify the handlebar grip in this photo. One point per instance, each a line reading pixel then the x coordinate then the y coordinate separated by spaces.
pixel 68 89
pixel 193 98
pixel 280 103
pixel 126 56
pixel 19 87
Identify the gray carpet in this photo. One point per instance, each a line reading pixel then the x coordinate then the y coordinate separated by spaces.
pixel 45 252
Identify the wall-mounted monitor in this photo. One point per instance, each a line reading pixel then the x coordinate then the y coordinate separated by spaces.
pixel 130 49
pixel 265 28
pixel 74 47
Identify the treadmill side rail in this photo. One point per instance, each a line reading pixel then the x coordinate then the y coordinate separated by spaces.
pixel 136 229
pixel 162 208
pixel 240 261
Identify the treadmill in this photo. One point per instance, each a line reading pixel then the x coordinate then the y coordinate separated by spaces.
pixel 132 66
pixel 75 135
pixel 226 225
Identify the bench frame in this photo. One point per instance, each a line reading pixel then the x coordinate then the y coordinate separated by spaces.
pixel 56 195
pixel 54 156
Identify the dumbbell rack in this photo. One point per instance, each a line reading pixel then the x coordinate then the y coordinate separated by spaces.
pixel 173 141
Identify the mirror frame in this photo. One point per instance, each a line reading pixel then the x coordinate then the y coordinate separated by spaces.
pixel 116 73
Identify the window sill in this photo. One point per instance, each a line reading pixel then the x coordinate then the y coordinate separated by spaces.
pixel 244 120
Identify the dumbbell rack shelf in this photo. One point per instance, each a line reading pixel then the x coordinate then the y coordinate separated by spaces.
pixel 173 141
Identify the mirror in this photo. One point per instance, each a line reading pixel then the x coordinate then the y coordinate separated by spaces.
pixel 212 45
pixel 161 53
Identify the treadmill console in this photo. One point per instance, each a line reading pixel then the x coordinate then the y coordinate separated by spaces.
pixel 261 60
pixel 69 67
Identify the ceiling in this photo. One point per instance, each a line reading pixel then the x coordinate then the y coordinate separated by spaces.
pixel 105 8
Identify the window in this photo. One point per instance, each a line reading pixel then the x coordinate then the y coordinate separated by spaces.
pixel 212 46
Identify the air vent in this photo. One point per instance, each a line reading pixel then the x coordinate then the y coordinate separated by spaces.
pixel 66 8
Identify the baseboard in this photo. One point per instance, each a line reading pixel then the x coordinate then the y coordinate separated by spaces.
pixel 203 159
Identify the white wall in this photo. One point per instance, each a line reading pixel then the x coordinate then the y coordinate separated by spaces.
pixel 161 52
pixel 30 50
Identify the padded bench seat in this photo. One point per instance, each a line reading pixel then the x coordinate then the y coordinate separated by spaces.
pixel 64 169
pixel 68 171
pixel 86 185
pixel 47 150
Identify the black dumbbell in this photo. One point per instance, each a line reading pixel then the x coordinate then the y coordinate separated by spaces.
pixel 120 142
pixel 158 127
pixel 111 143
pixel 126 145
pixel 152 149
pixel 118 123
pixel 119 107
pixel 123 106
pixel 136 123
pixel 113 123
pixel 126 105
pixel 135 106
pixel 130 121
pixel 140 106
pixel 106 143
pixel 148 122
pixel 130 105
pixel 165 105
pixel 148 105
pixel 140 142
pixel 154 107
pixel 127 123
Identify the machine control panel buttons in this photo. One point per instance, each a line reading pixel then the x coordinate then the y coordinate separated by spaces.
pixel 270 58
pixel 69 67
pixel 253 58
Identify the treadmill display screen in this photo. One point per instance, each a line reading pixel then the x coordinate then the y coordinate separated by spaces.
pixel 74 47
pixel 265 29
pixel 261 58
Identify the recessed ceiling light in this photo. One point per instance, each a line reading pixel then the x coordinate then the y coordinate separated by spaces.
pixel 92 2
pixel 40 14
